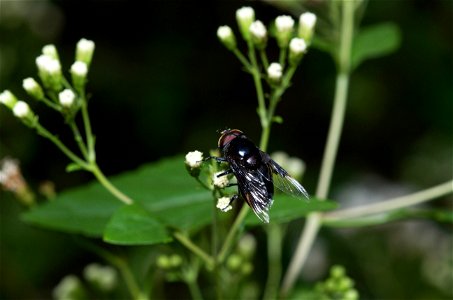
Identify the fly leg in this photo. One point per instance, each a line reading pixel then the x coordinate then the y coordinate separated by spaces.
pixel 227 207
pixel 217 159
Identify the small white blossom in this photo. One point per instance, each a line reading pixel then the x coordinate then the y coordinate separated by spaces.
pixel 226 36
pixel 220 182
pixel 103 277
pixel 194 159
pixel 68 288
pixel 21 109
pixel 296 167
pixel 66 97
pixel 246 14
pixel 297 45
pixel 32 88
pixel 307 22
pixel 224 204
pixel 245 17
pixel 274 71
pixel 48 64
pixel 84 51
pixel 79 68
pixel 297 48
pixel 8 99
pixel 284 23
pixel 258 30
pixel 51 51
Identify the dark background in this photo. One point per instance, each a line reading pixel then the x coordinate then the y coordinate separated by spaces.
pixel 162 84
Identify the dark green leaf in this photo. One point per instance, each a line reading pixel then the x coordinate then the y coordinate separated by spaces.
pixel 375 41
pixel 164 189
pixel 287 208
pixel 133 225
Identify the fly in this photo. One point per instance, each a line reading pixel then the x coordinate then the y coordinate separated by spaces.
pixel 256 173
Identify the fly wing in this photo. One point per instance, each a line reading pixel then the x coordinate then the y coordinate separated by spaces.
pixel 253 188
pixel 283 181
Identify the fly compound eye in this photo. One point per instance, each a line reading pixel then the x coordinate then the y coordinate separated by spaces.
pixel 227 136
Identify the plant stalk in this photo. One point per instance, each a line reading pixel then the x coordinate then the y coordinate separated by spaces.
pixel 313 222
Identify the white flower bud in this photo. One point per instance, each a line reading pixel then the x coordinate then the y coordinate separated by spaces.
pixel 307 22
pixel 8 99
pixel 79 71
pixel 226 36
pixel 21 109
pixel 245 17
pixel 33 88
pixel 274 72
pixel 84 51
pixel 49 71
pixel 70 287
pixel 103 277
pixel 79 68
pixel 194 159
pixel 51 51
pixel 220 182
pixel 224 204
pixel 297 48
pixel 259 34
pixel 66 98
pixel 284 23
pixel 284 26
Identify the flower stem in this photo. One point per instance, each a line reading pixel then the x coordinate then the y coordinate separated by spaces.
pixel 108 185
pixel 274 255
pixel 391 204
pixel 232 233
pixel 341 91
pixel 194 248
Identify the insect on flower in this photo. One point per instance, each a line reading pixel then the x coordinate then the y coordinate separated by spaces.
pixel 255 171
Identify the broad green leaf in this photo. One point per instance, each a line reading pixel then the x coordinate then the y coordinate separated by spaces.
pixel 133 225
pixel 287 208
pixel 163 188
pixel 374 41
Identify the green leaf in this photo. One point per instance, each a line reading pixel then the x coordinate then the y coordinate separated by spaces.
pixel 374 41
pixel 287 208
pixel 133 225
pixel 163 189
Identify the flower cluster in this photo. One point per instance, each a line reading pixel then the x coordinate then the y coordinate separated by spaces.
pixel 337 286
pixel 54 90
pixel 287 35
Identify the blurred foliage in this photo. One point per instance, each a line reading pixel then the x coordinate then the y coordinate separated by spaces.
pixel 161 85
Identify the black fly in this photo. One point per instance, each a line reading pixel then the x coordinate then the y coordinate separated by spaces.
pixel 255 171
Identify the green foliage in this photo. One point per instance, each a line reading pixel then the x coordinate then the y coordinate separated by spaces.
pixel 374 41
pixel 90 210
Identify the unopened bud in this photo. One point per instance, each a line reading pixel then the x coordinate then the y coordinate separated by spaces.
pixel 226 36
pixel 274 72
pixel 8 99
pixel 284 26
pixel 245 17
pixel 307 22
pixel 33 88
pixel 84 51
pixel 297 48
pixel 259 34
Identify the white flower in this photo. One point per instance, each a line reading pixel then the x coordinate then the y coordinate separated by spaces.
pixel 32 88
pixel 104 277
pixel 224 32
pixel 50 51
pixel 226 36
pixel 67 287
pixel 220 182
pixel 84 51
pixel 245 17
pixel 66 97
pixel 274 71
pixel 307 22
pixel 258 30
pixel 21 109
pixel 224 204
pixel 297 46
pixel 284 23
pixel 48 64
pixel 79 68
pixel 8 99
pixel 245 14
pixel 194 159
